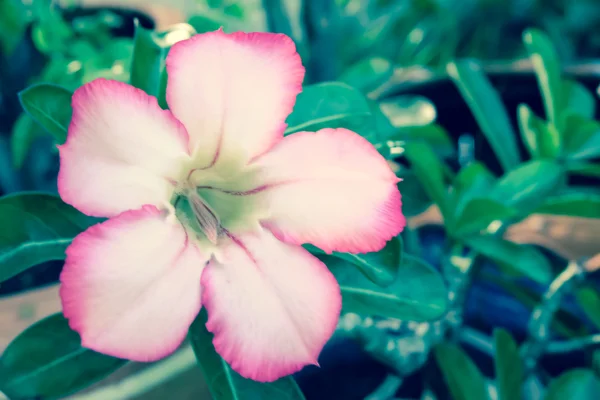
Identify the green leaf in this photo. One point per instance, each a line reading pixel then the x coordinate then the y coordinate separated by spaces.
pixel 579 99
pixel 529 185
pixel 430 171
pixel 24 132
pixel 332 105
pixel 368 73
pixel 411 111
pixel 525 260
pixel 47 361
pixel 584 168
pixel 547 69
pixel 576 384
pixel 541 139
pixel 581 137
pixel 287 17
pixel 471 182
pixel 148 70
pixel 463 378
pixel 589 300
pixel 36 227
pixel 414 198
pixel 226 384
pixel 417 294
pixel 488 109
pixel 435 135
pixel 573 204
pixel 50 106
pixel 478 214
pixel 380 267
pixel 509 367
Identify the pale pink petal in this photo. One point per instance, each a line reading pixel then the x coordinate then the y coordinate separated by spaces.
pixel 233 92
pixel 122 150
pixel 131 285
pixel 331 189
pixel 272 306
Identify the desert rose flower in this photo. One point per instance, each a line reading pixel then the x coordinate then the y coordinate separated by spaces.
pixel 208 206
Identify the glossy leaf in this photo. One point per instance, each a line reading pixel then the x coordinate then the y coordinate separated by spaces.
pixel 148 70
pixel 529 185
pixel 463 378
pixel 24 133
pixel 541 140
pixel 368 73
pixel 488 109
pixel 508 365
pixel 589 300
pixel 50 106
pixel 36 227
pixel 381 267
pixel 576 384
pixel 547 68
pixel 581 138
pixel 573 204
pixel 226 384
pixel 435 136
pixel 411 111
pixel 430 171
pixel 417 294
pixel 46 361
pixel 579 99
pixel 332 105
pixel 414 198
pixel 584 168
pixel 478 214
pixel 473 181
pixel 525 260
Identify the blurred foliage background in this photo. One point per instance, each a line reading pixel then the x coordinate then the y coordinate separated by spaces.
pixel 488 111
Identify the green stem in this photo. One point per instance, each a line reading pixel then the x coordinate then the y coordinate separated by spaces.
pixel 543 314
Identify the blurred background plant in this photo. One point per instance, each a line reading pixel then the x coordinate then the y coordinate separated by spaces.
pixel 488 111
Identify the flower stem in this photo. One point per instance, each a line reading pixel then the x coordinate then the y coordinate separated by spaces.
pixel 543 314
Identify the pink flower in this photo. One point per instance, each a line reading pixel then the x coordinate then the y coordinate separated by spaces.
pixel 209 204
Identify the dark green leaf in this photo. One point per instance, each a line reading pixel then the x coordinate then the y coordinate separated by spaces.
pixel 576 384
pixel 460 373
pixel 541 139
pixel 223 382
pixel 46 361
pixel 589 300
pixel 488 110
pixel 36 227
pixel 529 185
pixel 50 106
pixel 414 198
pixel 24 132
pixel 478 214
pixel 380 267
pixel 368 73
pixel 435 135
pixel 581 137
pixel 525 260
pixel 148 70
pixel 509 367
pixel 473 181
pixel 331 105
pixel 547 68
pixel 573 204
pixel 418 292
pixel 584 168
pixel 430 171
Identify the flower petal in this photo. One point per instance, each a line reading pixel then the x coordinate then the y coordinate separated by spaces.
pixel 272 306
pixel 331 189
pixel 122 150
pixel 233 92
pixel 131 285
